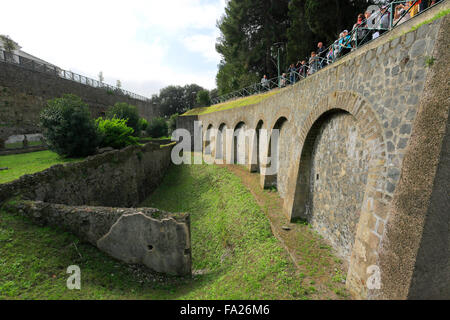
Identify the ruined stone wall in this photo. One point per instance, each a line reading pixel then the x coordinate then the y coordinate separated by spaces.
pixel 154 238
pixel 120 178
pixel 351 124
pixel 24 92
pixel 79 197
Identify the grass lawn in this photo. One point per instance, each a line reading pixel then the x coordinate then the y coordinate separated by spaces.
pixel 27 163
pixel 242 102
pixel 235 255
pixel 20 144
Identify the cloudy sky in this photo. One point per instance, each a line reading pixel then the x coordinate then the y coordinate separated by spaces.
pixel 146 44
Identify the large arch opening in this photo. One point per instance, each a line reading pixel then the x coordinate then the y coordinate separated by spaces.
pixel 220 142
pixel 332 178
pixel 208 143
pixel 276 168
pixel 256 161
pixel 240 150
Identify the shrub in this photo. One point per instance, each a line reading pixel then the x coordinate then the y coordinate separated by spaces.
pixel 143 124
pixel 157 128
pixel 172 123
pixel 123 110
pixel 115 133
pixel 68 127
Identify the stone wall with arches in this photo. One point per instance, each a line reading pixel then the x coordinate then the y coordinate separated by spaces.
pixel 345 133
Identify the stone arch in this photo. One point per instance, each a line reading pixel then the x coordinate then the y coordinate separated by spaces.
pixel 372 213
pixel 271 165
pixel 221 143
pixel 240 144
pixel 255 152
pixel 209 140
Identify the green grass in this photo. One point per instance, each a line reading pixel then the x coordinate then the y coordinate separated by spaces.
pixel 232 246
pixel 439 15
pixel 242 102
pixel 19 144
pixel 27 163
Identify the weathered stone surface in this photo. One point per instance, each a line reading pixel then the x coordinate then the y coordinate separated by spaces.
pixel 104 150
pixel 23 94
pixel 154 238
pixel 162 245
pixel 119 178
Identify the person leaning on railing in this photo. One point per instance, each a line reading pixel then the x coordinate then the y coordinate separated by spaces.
pixel 345 43
pixel 283 80
pixel 265 82
pixel 303 69
pixel 321 53
pixel 400 15
pixel 313 63
pixel 291 72
pixel 360 31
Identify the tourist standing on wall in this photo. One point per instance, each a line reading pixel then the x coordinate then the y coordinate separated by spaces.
pixel 291 71
pixel 265 82
pixel 321 53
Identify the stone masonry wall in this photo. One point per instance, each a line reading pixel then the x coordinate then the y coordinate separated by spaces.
pixel 338 179
pixel 120 178
pixel 382 88
pixel 23 94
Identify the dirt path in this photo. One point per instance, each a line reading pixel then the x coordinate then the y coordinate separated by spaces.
pixel 311 254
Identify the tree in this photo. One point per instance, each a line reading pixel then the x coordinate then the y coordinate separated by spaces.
pixel 123 110
pixel 177 99
pixel 203 98
pixel 301 39
pixel 172 123
pixel 68 127
pixel 171 100
pixel 118 84
pixel 157 128
pixel 249 29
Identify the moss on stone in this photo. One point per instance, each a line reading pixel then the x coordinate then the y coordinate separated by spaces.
pixel 242 102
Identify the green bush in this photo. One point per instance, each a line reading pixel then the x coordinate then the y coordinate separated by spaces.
pixel 123 110
pixel 172 123
pixel 115 133
pixel 143 124
pixel 157 128
pixel 68 127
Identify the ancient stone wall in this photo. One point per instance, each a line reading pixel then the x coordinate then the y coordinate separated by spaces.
pixel 154 238
pixel 118 178
pixel 348 130
pixel 70 196
pixel 24 92
pixel 121 178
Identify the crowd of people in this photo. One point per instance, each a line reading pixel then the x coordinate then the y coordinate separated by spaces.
pixel 368 26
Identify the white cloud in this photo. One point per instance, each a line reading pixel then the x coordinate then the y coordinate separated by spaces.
pixel 99 35
pixel 204 45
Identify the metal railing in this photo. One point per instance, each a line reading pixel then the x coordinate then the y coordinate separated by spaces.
pixel 31 64
pixel 357 38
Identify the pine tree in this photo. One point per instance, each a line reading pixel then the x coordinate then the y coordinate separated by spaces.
pixel 249 30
